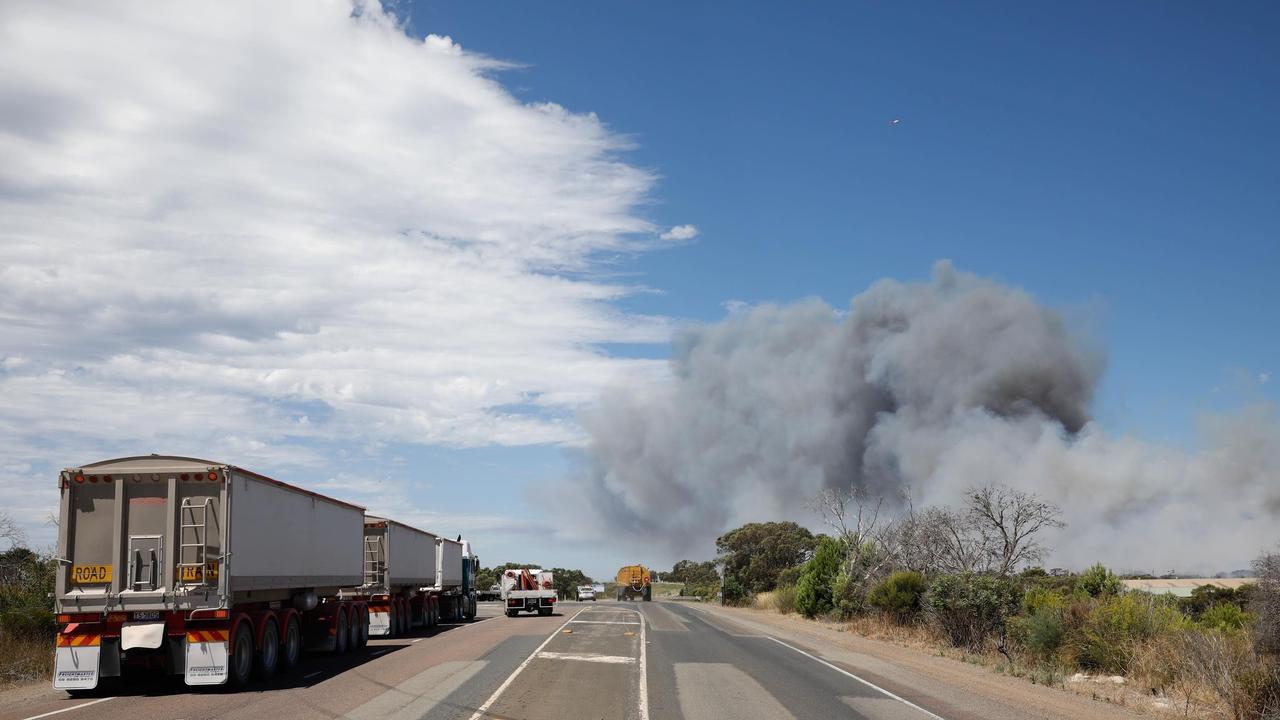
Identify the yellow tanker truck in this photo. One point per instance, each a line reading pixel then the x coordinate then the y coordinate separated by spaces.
pixel 633 583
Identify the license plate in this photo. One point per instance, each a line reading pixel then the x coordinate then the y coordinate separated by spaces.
pixel 146 615
pixel 90 574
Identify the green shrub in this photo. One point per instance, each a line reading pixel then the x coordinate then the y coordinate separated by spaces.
pixel 848 595
pixel 26 582
pixel 789 576
pixel 1042 632
pixel 1038 597
pixel 813 591
pixel 1098 581
pixel 1114 624
pixel 1224 617
pixel 733 592
pixel 968 608
pixel 900 595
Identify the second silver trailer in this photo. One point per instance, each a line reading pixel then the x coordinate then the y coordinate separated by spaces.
pixel 400 568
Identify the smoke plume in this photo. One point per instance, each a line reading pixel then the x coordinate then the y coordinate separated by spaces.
pixel 922 389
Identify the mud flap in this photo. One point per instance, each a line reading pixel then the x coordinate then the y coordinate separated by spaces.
pixel 379 623
pixel 76 668
pixel 207 663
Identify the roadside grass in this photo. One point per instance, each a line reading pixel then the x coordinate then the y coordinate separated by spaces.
pixel 25 660
pixel 1148 687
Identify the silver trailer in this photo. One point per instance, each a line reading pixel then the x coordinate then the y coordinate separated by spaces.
pixel 400 566
pixel 455 590
pixel 205 568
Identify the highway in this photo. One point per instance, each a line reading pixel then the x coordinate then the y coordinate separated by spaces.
pixel 596 661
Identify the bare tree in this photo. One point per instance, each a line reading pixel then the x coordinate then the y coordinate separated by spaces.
pixel 1266 602
pixel 856 519
pixel 1009 522
pixel 11 531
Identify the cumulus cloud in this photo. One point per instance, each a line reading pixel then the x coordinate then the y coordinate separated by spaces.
pixel 680 232
pixel 923 389
pixel 253 228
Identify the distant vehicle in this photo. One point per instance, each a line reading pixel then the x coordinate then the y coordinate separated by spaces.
pixel 528 590
pixel 493 593
pixel 587 592
pixel 633 582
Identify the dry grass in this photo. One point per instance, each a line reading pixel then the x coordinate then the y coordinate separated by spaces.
pixel 24 660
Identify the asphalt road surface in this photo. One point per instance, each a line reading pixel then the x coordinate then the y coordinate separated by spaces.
pixel 590 661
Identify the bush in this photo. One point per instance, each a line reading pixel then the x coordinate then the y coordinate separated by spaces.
pixel 1224 617
pixel 26 582
pixel 1098 581
pixel 733 592
pixel 784 599
pixel 1108 634
pixel 813 592
pixel 1042 632
pixel 1246 681
pixel 900 595
pixel 968 608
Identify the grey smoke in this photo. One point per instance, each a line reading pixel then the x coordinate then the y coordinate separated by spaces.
pixel 920 388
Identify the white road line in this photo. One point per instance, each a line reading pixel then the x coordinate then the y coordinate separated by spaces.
pixel 869 684
pixel 376 654
pixel 644 671
pixel 589 657
pixel 308 676
pixel 602 622
pixel 417 641
pixel 77 707
pixel 484 708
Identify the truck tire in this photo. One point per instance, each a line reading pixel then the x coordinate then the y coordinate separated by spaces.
pixel 268 655
pixel 353 629
pixel 393 620
pixel 340 634
pixel 512 613
pixel 241 661
pixel 291 648
pixel 544 611
pixel 364 627
pixel 648 593
pixel 471 609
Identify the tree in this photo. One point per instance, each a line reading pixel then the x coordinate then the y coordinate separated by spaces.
pixel 1009 521
pixel 1098 581
pixel 868 541
pixel 814 591
pixel 11 531
pixel 690 572
pixel 1265 602
pixel 755 553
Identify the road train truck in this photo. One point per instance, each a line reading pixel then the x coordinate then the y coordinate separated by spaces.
pixel 455 590
pixel 633 582
pixel 399 575
pixel 201 569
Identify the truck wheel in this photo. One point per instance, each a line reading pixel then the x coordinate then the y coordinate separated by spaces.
pixel 544 611
pixel 648 593
pixel 364 627
pixel 393 621
pixel 512 613
pixel 291 648
pixel 353 638
pixel 268 651
pixel 340 636
pixel 241 669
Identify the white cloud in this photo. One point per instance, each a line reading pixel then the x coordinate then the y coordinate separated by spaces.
pixel 255 228
pixel 1264 378
pixel 680 232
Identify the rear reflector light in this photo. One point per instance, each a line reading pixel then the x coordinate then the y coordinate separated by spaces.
pixel 213 475
pixel 67 618
pixel 79 477
pixel 93 478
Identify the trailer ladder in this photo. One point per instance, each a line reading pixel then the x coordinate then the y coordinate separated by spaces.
pixel 196 571
pixel 374 564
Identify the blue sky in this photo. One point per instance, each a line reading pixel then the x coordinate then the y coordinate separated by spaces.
pixel 1118 161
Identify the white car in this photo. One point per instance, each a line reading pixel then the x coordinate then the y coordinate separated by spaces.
pixel 586 592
